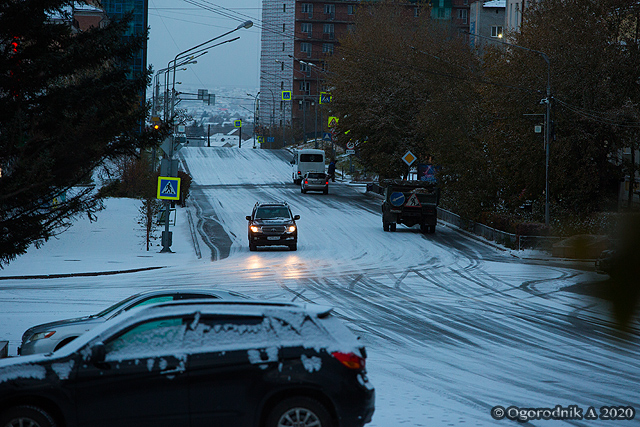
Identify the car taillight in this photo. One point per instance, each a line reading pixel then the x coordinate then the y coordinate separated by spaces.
pixel 299 173
pixel 306 182
pixel 326 183
pixel 350 360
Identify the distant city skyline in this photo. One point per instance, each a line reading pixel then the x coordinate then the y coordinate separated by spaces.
pixel 176 26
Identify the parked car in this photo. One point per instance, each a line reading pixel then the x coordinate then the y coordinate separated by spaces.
pixel 315 181
pixel 272 224
pixel 48 337
pixel 196 363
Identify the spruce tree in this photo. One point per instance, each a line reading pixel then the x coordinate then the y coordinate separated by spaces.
pixel 68 102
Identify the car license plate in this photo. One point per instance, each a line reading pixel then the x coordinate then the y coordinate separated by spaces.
pixel 273 237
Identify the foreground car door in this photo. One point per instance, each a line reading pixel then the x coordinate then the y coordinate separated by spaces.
pixel 142 381
pixel 229 366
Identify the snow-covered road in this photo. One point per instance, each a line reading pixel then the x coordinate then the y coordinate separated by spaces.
pixel 453 327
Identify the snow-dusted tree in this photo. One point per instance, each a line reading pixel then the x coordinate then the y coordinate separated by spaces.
pixel 67 103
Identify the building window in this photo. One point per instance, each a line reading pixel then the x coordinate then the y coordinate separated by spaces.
pixel 307 8
pixel 304 68
pixel 283 46
pixel 328 30
pixel 496 31
pixel 416 12
pixel 283 27
pixel 282 66
pixel 351 9
pixel 305 87
pixel 462 15
pixel 351 28
pixel 282 85
pixel 306 28
pixel 284 8
pixel 327 48
pixel 330 9
pixel 305 48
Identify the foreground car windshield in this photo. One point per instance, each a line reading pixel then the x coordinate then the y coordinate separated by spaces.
pixel 116 306
pixel 272 213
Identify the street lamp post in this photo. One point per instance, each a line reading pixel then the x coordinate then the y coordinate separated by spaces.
pixel 547 119
pixel 166 235
pixel 315 134
pixel 255 116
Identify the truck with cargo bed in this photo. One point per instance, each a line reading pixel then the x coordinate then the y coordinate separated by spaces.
pixel 410 203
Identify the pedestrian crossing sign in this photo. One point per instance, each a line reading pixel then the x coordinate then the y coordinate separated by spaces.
pixel 286 95
pixel 168 188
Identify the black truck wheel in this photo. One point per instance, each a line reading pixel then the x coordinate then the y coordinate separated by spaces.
pixel 385 226
pixel 393 226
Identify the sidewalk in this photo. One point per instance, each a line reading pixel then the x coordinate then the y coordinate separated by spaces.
pixel 115 243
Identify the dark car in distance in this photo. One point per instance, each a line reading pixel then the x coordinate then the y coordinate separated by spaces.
pixel 196 363
pixel 272 224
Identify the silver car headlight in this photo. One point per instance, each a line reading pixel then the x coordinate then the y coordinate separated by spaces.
pixel 42 335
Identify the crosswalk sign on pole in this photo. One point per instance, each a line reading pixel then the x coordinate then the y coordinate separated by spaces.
pixel 286 95
pixel 168 188
pixel 325 98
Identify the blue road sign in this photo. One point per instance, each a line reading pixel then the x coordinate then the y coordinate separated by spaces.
pixel 396 199
pixel 168 188
pixel 237 123
pixel 325 98
pixel 326 136
pixel 271 139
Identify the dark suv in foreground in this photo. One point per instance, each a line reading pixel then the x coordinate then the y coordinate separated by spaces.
pixel 196 363
pixel 272 224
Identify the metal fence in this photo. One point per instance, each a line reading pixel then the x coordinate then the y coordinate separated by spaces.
pixel 509 240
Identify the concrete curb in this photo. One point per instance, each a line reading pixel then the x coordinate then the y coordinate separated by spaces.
pixel 88 274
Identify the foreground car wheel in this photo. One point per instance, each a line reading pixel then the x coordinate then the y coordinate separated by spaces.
pixel 299 412
pixel 293 247
pixel 26 416
pixel 252 247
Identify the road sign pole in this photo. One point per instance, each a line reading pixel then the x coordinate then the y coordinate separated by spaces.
pixel 240 138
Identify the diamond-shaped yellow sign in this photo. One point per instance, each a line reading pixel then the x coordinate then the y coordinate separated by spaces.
pixel 409 158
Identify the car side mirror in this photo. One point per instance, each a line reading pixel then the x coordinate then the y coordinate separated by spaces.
pixel 297 217
pixel 98 353
pixel 248 217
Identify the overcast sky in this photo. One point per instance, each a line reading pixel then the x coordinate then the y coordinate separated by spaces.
pixel 178 25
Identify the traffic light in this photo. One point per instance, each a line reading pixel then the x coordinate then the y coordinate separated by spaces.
pixel 14 45
pixel 156 126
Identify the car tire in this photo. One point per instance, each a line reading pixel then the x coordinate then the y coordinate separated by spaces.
pixel 385 226
pixel 424 228
pixel 26 415
pixel 252 247
pixel 293 247
pixel 299 411
pixel 393 226
pixel 325 191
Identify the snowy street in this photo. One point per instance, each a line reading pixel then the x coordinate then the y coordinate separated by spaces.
pixel 452 326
